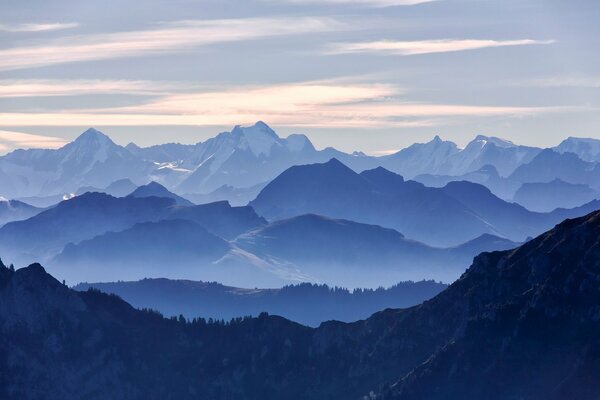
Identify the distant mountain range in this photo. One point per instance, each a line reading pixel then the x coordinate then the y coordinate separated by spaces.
pixel 448 216
pixel 14 210
pixel 326 224
pixel 519 324
pixel 306 303
pixel 235 165
pixel 95 237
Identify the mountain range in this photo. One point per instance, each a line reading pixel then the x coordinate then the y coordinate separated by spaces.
pixel 448 216
pixel 235 165
pixel 306 303
pixel 518 324
pixel 324 223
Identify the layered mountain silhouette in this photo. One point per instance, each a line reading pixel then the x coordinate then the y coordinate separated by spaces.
pixel 14 210
pixel 520 323
pixel 547 196
pixel 350 254
pixel 306 303
pixel 91 214
pixel 446 216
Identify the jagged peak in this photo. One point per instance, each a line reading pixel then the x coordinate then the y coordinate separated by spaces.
pixel 93 134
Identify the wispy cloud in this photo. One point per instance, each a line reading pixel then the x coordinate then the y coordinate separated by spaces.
pixel 371 3
pixel 169 37
pixel 37 27
pixel 409 48
pixel 12 140
pixel 316 104
pixel 564 81
pixel 67 87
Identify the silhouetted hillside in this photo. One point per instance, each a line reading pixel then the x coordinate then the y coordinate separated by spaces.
pixel 305 303
pixel 519 324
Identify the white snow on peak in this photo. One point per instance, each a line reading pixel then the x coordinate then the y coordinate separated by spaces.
pixel 3 199
pixel 259 138
pixel 481 140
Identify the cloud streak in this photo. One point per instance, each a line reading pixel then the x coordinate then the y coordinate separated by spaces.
pixel 59 87
pixel 409 48
pixel 171 37
pixel 313 104
pixel 12 140
pixel 37 27
pixel 371 3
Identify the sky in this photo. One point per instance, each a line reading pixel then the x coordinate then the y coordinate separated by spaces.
pixel 369 75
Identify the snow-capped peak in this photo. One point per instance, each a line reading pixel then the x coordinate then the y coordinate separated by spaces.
pixel 259 138
pixel 481 141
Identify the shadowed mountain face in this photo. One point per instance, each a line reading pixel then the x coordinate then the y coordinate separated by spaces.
pixel 518 324
pixel 445 216
pixel 305 303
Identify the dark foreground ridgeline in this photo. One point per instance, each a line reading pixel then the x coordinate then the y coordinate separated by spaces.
pixel 519 324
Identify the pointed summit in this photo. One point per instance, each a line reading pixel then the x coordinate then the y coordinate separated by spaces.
pixel 92 135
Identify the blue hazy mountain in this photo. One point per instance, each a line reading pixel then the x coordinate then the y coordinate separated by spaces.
pixel 518 324
pixel 221 218
pixel 585 148
pixel 443 157
pixel 74 220
pixel 169 248
pixel 547 196
pixel 91 214
pixel 14 210
pixel 487 176
pixel 306 303
pixel 154 189
pixel 306 248
pixel 376 197
pixel 443 217
pixel 351 254
pixel 550 165
pixel 235 196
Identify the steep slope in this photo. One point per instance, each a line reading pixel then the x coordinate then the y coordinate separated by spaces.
pixel 154 189
pixel 518 324
pixel 378 197
pixel 548 196
pixel 306 303
pixel 14 210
